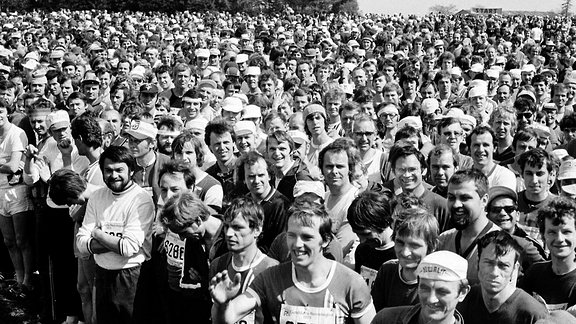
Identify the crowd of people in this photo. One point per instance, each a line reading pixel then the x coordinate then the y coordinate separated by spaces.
pixel 226 168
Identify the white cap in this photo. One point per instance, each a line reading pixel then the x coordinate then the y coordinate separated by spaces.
pixel 443 265
pixel 252 70
pixel 413 121
pixel 202 52
pixel 430 105
pixel 306 186
pixel 232 104
pixel 196 123
pixel 478 92
pixel 567 170
pixel 244 127
pixel 142 130
pixel 528 68
pixel 298 136
pixel 477 67
pixel 241 58
pixel 251 111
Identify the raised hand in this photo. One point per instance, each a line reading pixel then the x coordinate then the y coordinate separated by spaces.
pixel 222 289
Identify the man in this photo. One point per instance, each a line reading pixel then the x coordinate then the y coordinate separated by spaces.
pixel 308 232
pixel 232 110
pixel 443 164
pixel 117 230
pixel 496 299
pixel 142 143
pixel 220 138
pixel 243 224
pixel 482 143
pixel 87 136
pixel 442 285
pixel 553 281
pixel 409 167
pixel 147 96
pixel 502 210
pixel 274 204
pixel 338 162
pixel 288 167
pixel 451 133
pixel 57 263
pixel 181 78
pixel 525 111
pixel 168 128
pixel 115 119
pixel 537 169
pixel 467 198
pixel 91 89
pixel 503 121
pixel 524 140
pixel 185 246
pixel 245 132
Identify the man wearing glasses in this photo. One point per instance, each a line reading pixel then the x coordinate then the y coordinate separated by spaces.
pixel 452 134
pixel 525 111
pixel 502 210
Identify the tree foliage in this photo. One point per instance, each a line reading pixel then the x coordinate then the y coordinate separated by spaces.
pixel 248 6
pixel 443 9
pixel 566 6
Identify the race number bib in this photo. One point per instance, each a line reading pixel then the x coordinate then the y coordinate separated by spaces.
pixel 248 319
pixel 369 275
pixel 306 315
pixel 174 248
pixel 113 228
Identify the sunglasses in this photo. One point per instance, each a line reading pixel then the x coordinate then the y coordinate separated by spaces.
pixel 526 115
pixel 508 209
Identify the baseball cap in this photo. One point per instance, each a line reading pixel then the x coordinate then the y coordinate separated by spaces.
pixel 241 58
pixel 306 186
pixel 501 191
pixel 528 68
pixel 527 93
pixel 206 83
pixel 438 43
pixel 149 88
pixel 567 170
pixel 443 265
pixel 314 108
pixel 413 121
pixel 478 91
pixel 196 123
pixel 298 136
pixel 142 130
pixel 244 127
pixel 232 104
pixel 202 52
pixel 251 111
pixel 91 78
pixel 430 105
pixel 252 70
pixel 353 43
pixel 57 119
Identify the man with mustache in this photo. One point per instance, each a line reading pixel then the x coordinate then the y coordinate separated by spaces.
pixel 467 200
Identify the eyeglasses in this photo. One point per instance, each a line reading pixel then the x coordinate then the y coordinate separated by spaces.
pixel 526 115
pixel 360 134
pixel 508 209
pixel 391 116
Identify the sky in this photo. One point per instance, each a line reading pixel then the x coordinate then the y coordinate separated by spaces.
pixel 422 6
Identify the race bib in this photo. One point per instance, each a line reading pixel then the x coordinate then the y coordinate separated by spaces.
pixel 369 275
pixel 306 315
pixel 248 319
pixel 174 248
pixel 114 228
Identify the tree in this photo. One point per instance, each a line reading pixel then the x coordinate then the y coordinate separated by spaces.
pixel 443 9
pixel 566 6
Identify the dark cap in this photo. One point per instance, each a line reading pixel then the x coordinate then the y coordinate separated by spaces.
pixel 501 191
pixel 149 88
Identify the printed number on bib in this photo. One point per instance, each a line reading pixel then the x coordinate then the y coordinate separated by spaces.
pixel 306 315
pixel 248 319
pixel 174 248
pixel 113 228
pixel 369 275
